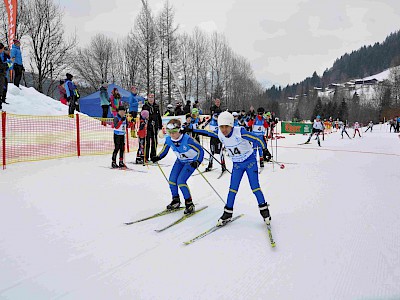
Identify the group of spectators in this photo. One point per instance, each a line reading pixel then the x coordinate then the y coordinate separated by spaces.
pixel 10 64
pixel 395 124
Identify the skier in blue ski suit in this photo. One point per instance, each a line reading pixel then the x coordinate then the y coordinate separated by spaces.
pixel 239 143
pixel 189 155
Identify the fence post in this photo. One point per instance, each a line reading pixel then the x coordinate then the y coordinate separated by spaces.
pixel 78 136
pixel 127 139
pixel 3 137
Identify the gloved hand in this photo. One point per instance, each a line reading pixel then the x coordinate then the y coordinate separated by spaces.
pixel 195 164
pixel 155 159
pixel 123 119
pixel 265 153
pixel 187 129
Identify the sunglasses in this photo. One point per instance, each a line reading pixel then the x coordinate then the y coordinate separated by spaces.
pixel 175 130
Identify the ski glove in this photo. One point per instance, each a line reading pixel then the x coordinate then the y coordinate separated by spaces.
pixel 155 159
pixel 195 164
pixel 266 153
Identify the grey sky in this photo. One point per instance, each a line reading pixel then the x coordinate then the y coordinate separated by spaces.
pixel 284 40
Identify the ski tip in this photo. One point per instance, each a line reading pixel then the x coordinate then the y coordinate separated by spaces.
pixel 273 245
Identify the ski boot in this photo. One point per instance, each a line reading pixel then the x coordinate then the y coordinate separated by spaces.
pixel 223 166
pixel 261 162
pixel 209 167
pixel 139 160
pixel 189 206
pixel 175 203
pixel 226 216
pixel 121 164
pixel 264 211
pixel 114 165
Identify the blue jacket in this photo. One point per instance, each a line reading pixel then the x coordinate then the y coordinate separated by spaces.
pixel 16 52
pixel 104 99
pixel 70 88
pixel 133 101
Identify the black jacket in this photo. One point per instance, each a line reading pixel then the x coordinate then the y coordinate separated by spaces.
pixel 154 116
pixel 215 109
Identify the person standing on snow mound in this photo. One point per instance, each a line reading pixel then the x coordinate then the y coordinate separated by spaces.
pixel 239 143
pixel 189 156
pixel 119 138
pixel 318 127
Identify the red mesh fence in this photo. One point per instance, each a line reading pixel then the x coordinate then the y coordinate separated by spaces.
pixel 33 138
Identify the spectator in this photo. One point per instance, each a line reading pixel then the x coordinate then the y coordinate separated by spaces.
pixel 179 110
pixel 104 101
pixel 18 65
pixel 133 102
pixel 216 108
pixel 142 133
pixel 72 94
pixel 63 93
pixel 188 108
pixel 119 138
pixel 8 64
pixel 197 105
pixel 2 72
pixel 170 111
pixel 116 101
pixel 154 124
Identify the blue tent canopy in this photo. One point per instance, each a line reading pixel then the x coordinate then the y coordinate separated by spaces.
pixel 90 105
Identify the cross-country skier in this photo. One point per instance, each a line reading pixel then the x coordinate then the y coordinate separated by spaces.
pixel 119 138
pixel 144 118
pixel 318 127
pixel 215 143
pixel 356 129
pixel 259 127
pixel 189 156
pixel 370 125
pixel 239 143
pixel 344 130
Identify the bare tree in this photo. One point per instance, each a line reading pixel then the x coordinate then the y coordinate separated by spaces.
pixel 21 28
pixel 394 78
pixel 49 49
pixel 95 60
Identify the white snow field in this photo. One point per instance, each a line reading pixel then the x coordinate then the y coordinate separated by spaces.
pixel 335 218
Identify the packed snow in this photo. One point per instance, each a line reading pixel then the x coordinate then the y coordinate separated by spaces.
pixel 335 220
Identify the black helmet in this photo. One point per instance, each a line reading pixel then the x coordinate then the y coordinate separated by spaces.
pixel 260 110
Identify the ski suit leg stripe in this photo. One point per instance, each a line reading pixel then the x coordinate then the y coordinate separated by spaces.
pixel 252 175
pixel 236 177
pixel 173 178
pixel 183 176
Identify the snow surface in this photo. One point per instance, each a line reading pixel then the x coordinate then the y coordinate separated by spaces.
pixel 28 101
pixel 335 219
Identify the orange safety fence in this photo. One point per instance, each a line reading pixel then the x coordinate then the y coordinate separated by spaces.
pixel 32 138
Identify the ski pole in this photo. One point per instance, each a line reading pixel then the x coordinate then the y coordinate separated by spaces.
pixel 272 150
pixel 215 158
pixel 276 142
pixel 162 171
pixel 202 175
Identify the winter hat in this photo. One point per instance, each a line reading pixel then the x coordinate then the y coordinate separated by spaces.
pixel 235 114
pixel 144 114
pixel 69 76
pixel 195 111
pixel 16 41
pixel 225 118
pixel 169 106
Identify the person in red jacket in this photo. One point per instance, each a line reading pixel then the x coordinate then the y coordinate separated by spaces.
pixel 142 132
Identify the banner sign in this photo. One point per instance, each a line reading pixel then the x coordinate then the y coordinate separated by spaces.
pixel 11 7
pixel 300 128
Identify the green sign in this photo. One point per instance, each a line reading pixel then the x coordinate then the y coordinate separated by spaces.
pixel 301 128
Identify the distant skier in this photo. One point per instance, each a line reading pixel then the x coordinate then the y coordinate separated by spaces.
pixel 238 142
pixel 370 126
pixel 259 127
pixel 119 138
pixel 344 130
pixel 318 127
pixel 189 156
pixel 356 129
pixel 215 143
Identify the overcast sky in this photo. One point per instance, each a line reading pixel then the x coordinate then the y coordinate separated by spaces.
pixel 285 40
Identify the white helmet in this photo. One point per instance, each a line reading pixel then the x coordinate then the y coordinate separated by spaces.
pixel 225 118
pixel 169 106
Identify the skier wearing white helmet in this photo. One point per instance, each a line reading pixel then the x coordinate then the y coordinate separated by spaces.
pixel 239 144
